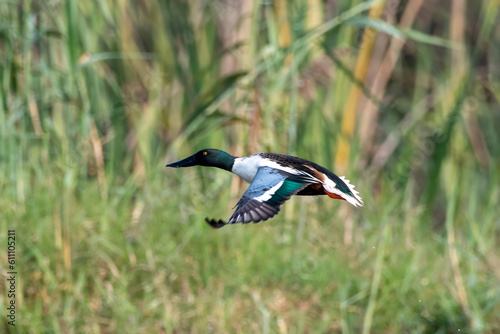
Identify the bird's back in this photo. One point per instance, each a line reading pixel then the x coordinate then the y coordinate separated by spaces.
pixel 299 163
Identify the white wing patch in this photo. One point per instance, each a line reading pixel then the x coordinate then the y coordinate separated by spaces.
pixel 268 194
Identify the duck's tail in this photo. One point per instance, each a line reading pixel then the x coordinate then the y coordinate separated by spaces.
pixel 353 197
pixel 343 191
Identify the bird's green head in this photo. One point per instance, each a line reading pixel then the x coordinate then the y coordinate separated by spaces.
pixel 207 157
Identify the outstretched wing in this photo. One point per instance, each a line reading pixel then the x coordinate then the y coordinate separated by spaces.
pixel 269 189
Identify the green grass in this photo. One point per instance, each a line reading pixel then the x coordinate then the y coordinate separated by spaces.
pixel 96 97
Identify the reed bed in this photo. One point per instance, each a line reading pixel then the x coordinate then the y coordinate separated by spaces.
pixel 402 97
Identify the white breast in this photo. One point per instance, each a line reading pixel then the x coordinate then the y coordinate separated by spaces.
pixel 247 167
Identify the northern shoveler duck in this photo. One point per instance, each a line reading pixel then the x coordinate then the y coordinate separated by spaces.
pixel 274 178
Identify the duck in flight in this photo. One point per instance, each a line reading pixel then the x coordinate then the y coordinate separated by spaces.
pixel 273 179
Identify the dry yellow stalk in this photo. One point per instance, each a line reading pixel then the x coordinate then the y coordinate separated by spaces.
pixel 351 108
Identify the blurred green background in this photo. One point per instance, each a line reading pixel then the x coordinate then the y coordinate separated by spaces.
pixel 401 97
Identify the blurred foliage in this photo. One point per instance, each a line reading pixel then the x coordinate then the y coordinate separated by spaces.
pixel 96 96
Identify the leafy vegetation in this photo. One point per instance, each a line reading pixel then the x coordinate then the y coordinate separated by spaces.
pixel 402 97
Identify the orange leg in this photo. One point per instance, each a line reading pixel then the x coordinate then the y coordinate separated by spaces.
pixel 332 195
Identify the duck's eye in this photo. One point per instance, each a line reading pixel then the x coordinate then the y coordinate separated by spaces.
pixel 205 153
